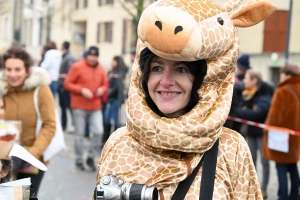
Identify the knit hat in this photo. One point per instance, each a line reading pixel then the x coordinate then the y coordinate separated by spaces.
pixel 243 62
pixel 93 51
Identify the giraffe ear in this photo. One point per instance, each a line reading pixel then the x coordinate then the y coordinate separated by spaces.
pixel 252 14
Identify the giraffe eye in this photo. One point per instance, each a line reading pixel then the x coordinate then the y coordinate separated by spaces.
pixel 220 20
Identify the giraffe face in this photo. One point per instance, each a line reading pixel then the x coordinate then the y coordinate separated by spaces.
pixel 187 34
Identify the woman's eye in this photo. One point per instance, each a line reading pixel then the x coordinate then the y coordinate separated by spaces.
pixel 156 69
pixel 182 70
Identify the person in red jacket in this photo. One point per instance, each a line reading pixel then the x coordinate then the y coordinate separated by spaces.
pixel 86 82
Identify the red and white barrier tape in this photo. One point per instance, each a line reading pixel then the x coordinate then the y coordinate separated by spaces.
pixel 264 126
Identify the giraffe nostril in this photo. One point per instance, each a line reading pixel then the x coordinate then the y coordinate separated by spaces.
pixel 220 20
pixel 158 24
pixel 178 29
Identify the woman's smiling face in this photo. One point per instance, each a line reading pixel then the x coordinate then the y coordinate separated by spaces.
pixel 15 71
pixel 170 84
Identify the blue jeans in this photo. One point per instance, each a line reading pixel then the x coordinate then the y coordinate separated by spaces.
pixel 282 170
pixel 53 87
pixel 112 113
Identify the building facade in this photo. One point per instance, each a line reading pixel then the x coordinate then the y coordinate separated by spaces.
pixel 6 25
pixel 25 24
pixel 103 23
pixel 108 24
pixel 266 41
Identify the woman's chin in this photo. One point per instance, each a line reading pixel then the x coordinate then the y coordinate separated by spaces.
pixel 171 112
pixel 14 84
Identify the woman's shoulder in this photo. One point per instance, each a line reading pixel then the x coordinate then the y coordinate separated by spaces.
pixel 120 135
pixel 45 88
pixel 232 144
pixel 44 92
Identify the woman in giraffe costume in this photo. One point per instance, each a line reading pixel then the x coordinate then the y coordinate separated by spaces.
pixel 161 146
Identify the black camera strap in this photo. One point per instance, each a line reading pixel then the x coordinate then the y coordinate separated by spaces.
pixel 208 176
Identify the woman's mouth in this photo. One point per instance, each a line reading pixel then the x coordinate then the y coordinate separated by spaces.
pixel 168 95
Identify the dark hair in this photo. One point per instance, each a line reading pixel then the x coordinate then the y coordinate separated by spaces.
pixel 19 54
pixel 1 63
pixel 290 69
pixel 66 45
pixel 51 45
pixel 6 165
pixel 197 68
pixel 121 67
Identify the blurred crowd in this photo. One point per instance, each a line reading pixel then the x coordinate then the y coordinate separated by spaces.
pixel 94 98
pixel 258 101
pixel 92 95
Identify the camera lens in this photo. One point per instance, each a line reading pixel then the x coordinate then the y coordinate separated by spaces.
pixel 151 193
pixel 143 192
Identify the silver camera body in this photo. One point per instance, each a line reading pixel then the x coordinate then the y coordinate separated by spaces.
pixel 113 188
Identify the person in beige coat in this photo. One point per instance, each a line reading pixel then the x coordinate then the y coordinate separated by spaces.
pixel 17 84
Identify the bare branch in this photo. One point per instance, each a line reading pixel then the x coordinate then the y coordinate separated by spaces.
pixel 126 8
pixel 133 3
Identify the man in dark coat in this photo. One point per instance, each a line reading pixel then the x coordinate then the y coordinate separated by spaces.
pixel 64 96
pixel 243 64
pixel 254 106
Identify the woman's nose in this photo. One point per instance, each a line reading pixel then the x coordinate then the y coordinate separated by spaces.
pixel 167 79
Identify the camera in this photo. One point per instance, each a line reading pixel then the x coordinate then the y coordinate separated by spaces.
pixel 113 188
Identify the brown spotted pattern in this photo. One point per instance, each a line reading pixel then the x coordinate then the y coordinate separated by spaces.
pixel 163 151
pixel 199 9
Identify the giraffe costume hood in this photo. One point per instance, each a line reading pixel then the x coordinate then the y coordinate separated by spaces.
pixel 162 151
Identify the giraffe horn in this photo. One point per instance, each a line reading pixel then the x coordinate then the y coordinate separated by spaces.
pixel 230 5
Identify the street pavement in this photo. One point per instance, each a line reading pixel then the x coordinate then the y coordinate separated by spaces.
pixel 63 181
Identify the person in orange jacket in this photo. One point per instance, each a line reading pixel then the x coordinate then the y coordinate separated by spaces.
pixel 86 82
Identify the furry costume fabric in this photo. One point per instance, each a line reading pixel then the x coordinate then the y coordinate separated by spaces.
pixel 162 152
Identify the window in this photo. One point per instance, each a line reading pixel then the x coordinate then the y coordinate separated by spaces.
pixel 79 30
pixel 85 3
pixel 41 24
pixel 98 33
pixel 124 36
pixel 7 28
pixel 108 28
pixel 76 4
pixel 104 32
pixel 101 2
pixel 109 1
pixel 275 30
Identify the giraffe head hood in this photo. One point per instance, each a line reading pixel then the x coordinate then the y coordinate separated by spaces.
pixel 189 30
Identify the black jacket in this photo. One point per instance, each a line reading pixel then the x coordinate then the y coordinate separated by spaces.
pixel 256 109
pixel 67 60
pixel 237 98
pixel 116 87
